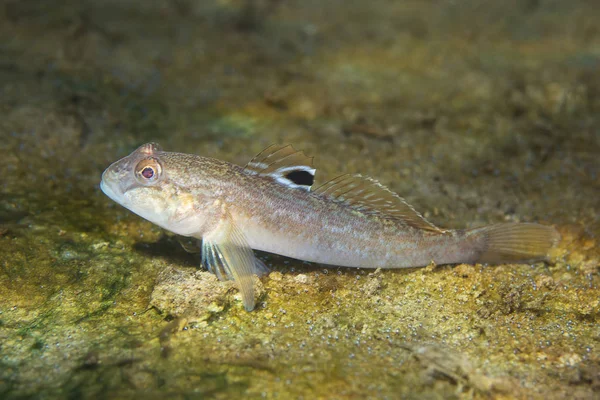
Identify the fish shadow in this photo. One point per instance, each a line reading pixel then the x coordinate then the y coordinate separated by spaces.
pixel 167 247
pixel 170 248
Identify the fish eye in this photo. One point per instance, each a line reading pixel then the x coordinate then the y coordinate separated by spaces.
pixel 148 170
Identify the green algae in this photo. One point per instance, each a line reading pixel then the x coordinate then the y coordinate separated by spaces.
pixel 474 114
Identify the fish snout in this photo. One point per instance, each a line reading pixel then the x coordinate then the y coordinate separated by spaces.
pixel 114 183
pixel 107 183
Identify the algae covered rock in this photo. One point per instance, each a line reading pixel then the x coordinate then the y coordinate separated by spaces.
pixel 193 294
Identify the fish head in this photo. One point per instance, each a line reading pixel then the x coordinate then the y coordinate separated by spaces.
pixel 141 183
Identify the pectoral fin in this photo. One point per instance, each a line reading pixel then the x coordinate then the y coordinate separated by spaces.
pixel 226 253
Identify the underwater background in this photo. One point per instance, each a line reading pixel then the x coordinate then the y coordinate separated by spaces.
pixel 474 111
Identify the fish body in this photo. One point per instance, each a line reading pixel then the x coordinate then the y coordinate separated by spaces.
pixel 270 205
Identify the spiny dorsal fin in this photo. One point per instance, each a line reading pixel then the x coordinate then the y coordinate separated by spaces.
pixel 285 165
pixel 369 196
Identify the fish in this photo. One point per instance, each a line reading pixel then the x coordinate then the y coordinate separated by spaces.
pixel 270 205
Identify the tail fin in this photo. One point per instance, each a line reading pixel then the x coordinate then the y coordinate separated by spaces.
pixel 513 242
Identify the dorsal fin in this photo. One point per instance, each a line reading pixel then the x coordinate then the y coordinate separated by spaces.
pixel 369 196
pixel 285 165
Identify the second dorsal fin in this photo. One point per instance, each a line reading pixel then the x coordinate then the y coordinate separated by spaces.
pixel 369 196
pixel 285 165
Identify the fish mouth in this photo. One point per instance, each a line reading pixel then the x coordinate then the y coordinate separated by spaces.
pixel 110 188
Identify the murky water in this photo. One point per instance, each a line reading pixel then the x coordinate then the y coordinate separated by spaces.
pixel 476 112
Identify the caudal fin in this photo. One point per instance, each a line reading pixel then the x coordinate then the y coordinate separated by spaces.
pixel 513 242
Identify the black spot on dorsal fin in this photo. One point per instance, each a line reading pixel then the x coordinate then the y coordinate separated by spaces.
pixel 285 165
pixel 302 178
